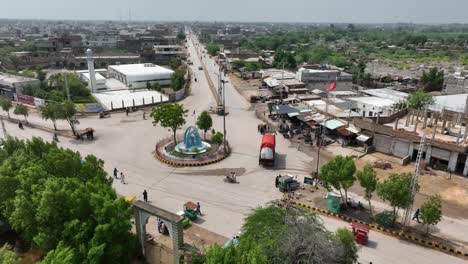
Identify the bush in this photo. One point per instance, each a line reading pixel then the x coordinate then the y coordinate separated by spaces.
pixel 385 218
pixel 195 149
pixel 217 138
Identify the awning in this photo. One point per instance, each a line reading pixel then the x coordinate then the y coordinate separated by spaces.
pixel 352 129
pixel 344 132
pixel 293 114
pixel 332 124
pixel 362 138
pixel 284 109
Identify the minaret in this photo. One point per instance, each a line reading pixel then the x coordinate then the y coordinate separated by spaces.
pixel 92 74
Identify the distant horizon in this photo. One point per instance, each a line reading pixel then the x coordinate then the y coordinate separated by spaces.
pixel 230 21
pixel 429 12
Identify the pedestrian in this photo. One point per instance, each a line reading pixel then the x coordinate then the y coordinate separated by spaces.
pixel 198 209
pixel 193 112
pixel 277 181
pixel 122 178
pixel 127 110
pixel 145 196
pixel 115 173
pixel 416 216
pixel 144 115
pixel 159 225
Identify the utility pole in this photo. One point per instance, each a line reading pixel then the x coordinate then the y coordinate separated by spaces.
pixel 224 115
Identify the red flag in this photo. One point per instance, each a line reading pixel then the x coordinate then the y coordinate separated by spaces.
pixel 331 87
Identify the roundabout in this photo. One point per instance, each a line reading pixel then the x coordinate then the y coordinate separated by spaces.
pixel 191 150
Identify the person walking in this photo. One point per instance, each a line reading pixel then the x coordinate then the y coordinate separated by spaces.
pixel 127 111
pixel 115 173
pixel 144 115
pixel 145 196
pixel 416 216
pixel 122 178
pixel 198 209
pixel 277 181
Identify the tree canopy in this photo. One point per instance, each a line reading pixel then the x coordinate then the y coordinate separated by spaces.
pixel 419 99
pixel 169 115
pixel 5 104
pixel 368 180
pixel 276 235
pixel 339 174
pixel 178 79
pixel 212 49
pixel 51 111
pixel 63 203
pixel 204 122
pixel 431 211
pixel 7 256
pixel 433 80
pixel 21 109
pixel 396 190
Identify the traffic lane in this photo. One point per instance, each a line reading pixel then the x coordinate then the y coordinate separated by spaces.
pixel 385 249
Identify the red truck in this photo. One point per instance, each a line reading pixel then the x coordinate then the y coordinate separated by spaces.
pixel 267 150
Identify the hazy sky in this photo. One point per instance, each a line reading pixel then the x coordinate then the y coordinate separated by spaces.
pixel 356 11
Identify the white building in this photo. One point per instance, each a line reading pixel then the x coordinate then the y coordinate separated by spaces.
pixel 100 79
pixel 371 106
pixel 138 75
pixel 102 41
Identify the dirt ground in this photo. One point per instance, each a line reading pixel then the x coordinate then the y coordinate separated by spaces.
pixel 247 87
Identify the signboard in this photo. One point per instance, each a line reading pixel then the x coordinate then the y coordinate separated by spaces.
pixel 25 99
pixel 308 180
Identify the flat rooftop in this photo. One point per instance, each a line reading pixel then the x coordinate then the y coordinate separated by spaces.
pixel 455 102
pixel 374 101
pixel 141 69
pixel 114 99
pixel 387 93
pixel 8 79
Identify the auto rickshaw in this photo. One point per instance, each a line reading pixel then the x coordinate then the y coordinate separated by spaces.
pixel 190 210
pixel 361 233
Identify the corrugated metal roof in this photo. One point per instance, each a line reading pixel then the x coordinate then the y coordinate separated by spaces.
pixel 332 124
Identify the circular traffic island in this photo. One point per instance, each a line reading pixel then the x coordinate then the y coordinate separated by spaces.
pixel 190 150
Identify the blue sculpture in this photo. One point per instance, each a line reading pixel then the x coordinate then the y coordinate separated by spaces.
pixel 192 143
pixel 192 138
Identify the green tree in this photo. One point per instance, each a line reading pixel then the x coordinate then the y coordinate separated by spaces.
pixel 346 238
pixel 148 85
pixel 396 190
pixel 178 79
pixel 6 105
pixel 212 49
pixel 339 174
pixel 7 256
pixel 63 202
pixel 157 87
pixel 368 180
pixel 14 61
pixel 23 110
pixel 204 122
pixel 67 112
pixel 431 211
pixel 217 138
pixel 181 35
pixel 433 80
pixel 169 115
pixel 419 99
pixel 51 111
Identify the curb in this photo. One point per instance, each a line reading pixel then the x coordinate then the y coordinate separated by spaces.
pixel 389 232
pixel 182 164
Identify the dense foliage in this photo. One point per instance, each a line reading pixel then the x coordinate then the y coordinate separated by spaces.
pixel 367 178
pixel 431 211
pixel 339 174
pixel 178 79
pixel 169 115
pixel 54 89
pixel 64 203
pixel 276 235
pixel 204 122
pixel 396 190
pixel 419 99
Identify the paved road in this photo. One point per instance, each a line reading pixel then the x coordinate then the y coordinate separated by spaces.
pixel 127 143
